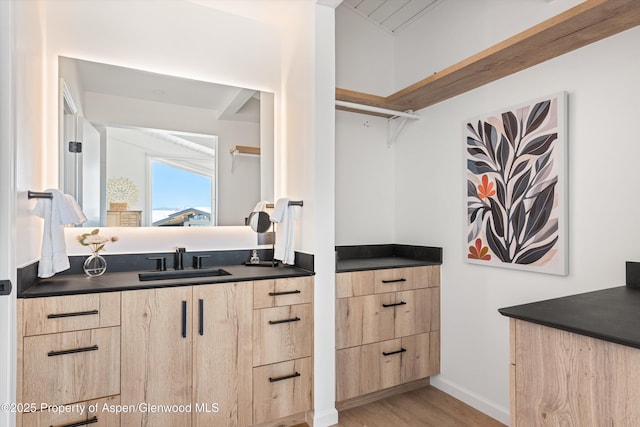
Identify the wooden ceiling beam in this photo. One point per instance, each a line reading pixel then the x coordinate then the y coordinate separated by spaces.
pixel 579 26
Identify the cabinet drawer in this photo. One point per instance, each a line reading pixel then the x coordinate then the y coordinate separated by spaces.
pixel 393 279
pixel 365 319
pixel 282 333
pixel 427 276
pixel 279 292
pixel 353 284
pixel 282 389
pixel 71 313
pixel 71 366
pixel 103 416
pixel 373 367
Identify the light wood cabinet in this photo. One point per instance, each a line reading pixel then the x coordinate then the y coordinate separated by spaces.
pixel 124 218
pixel 387 329
pixel 282 349
pixel 229 354
pixel 68 354
pixel 563 378
pixel 189 346
pixel 95 413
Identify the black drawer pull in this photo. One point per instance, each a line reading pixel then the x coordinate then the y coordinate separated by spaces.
pixel 201 316
pixel 286 377
pixel 81 423
pixel 394 304
pixel 276 322
pixel 75 350
pixel 77 313
pixel 184 319
pixel 275 294
pixel 402 350
pixel 395 280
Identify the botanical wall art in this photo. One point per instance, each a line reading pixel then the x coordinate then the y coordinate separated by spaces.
pixel 516 187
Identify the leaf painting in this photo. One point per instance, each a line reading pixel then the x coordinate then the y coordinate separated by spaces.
pixel 515 166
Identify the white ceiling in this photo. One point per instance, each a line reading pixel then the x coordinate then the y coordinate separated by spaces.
pixel 391 15
pixel 229 103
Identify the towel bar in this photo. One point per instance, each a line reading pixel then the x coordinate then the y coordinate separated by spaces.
pixel 38 195
pixel 291 203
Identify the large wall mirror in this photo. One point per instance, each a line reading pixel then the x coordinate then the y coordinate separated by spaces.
pixel 158 150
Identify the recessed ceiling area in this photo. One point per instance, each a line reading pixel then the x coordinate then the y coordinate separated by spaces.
pixel 390 15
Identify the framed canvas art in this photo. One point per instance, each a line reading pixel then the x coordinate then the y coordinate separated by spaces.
pixel 516 176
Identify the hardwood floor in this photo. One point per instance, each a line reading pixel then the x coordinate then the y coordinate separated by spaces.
pixel 425 407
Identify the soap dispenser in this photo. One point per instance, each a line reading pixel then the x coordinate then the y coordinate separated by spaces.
pixel 254 257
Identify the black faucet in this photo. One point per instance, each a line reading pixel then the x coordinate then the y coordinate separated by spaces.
pixel 178 261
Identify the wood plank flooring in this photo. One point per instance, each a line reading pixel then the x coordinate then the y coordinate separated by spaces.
pixel 425 407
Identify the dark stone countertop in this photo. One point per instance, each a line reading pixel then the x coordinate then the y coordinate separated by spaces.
pixel 610 314
pixel 71 284
pixel 377 257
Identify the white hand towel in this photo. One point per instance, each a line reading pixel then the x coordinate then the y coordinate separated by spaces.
pixel 61 209
pixel 284 216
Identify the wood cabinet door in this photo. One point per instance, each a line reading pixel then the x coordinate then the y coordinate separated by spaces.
pixel 365 319
pixel 222 355
pixel 157 356
pixel 413 312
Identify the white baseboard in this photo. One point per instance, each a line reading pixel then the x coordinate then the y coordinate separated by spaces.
pixel 492 409
pixel 326 418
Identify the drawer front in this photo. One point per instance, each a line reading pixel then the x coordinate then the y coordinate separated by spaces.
pixel 412 312
pixel 354 284
pixel 368 368
pixel 71 366
pixel 374 367
pixel 393 279
pixel 365 319
pixel 427 276
pixel 71 313
pixel 94 413
pixel 281 292
pixel 282 333
pixel 282 389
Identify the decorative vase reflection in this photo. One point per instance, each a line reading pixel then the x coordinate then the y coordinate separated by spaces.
pixel 95 265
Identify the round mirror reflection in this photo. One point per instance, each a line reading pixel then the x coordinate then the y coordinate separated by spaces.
pixel 260 222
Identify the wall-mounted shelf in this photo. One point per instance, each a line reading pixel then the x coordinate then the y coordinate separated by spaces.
pixel 242 150
pixel 579 26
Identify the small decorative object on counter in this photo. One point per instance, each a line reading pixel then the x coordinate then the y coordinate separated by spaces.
pixel 95 265
pixel 254 257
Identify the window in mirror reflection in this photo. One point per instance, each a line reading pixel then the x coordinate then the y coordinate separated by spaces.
pixel 172 171
pixel 180 193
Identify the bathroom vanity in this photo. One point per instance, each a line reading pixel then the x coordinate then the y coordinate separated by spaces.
pixel 387 320
pixel 225 350
pixel 576 360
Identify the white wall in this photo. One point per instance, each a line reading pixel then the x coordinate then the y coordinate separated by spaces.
pixel 602 83
pixel 429 186
pixel 365 166
pixel 78 29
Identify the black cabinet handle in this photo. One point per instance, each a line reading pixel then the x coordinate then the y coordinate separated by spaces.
pixel 286 377
pixel 75 350
pixel 81 423
pixel 395 280
pixel 275 294
pixel 201 316
pixel 74 314
pixel 184 319
pixel 276 322
pixel 402 350
pixel 394 304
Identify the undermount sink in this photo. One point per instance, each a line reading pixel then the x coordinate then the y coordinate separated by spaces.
pixel 182 274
